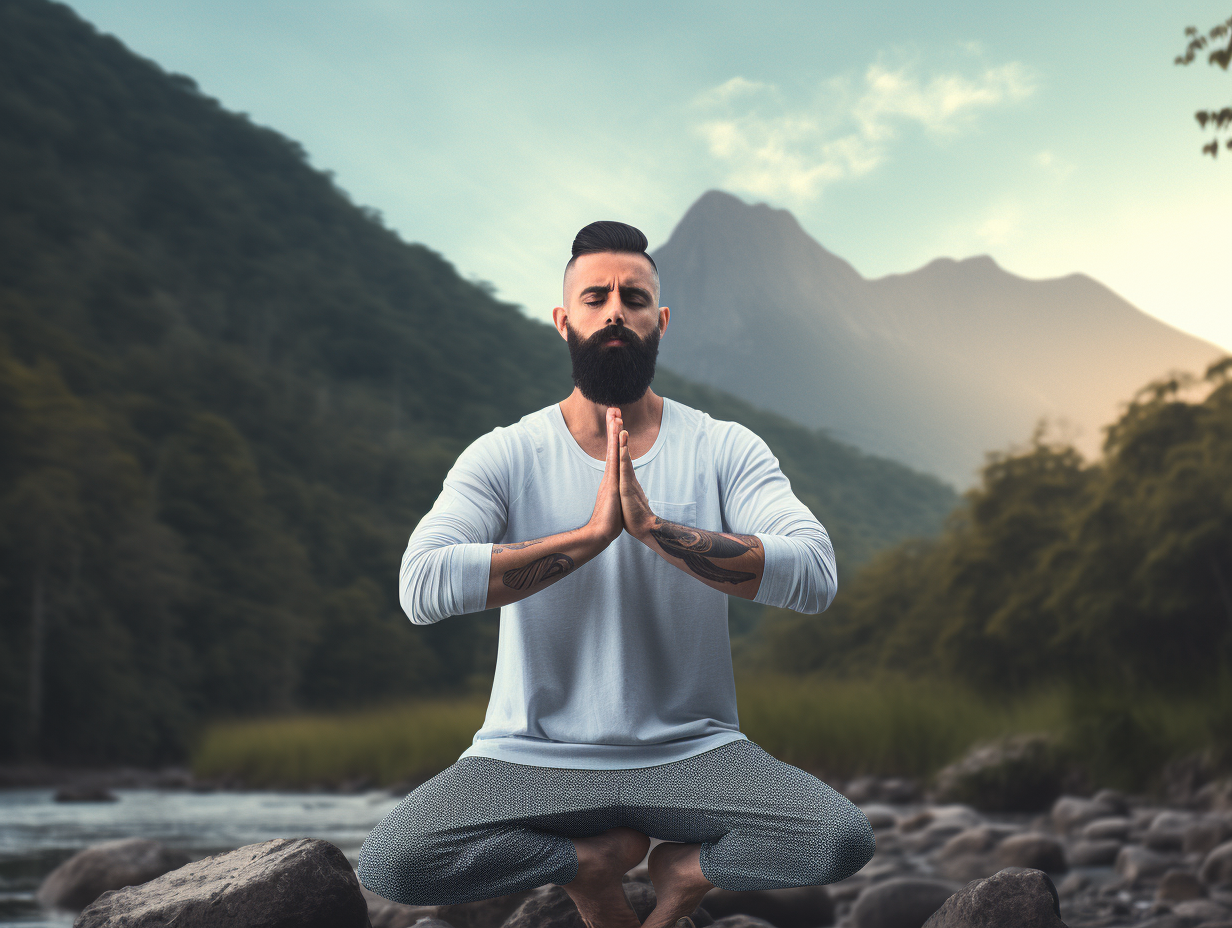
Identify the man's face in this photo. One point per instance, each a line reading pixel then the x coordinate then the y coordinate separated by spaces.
pixel 612 323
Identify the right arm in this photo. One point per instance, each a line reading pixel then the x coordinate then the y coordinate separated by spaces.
pixel 442 570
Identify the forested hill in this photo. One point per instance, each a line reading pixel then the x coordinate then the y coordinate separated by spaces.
pixel 226 396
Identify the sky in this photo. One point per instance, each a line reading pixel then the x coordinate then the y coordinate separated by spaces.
pixel 1055 137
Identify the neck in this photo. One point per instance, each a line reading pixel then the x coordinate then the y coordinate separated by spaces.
pixel 585 418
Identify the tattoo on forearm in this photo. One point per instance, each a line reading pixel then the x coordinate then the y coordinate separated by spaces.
pixel 696 547
pixel 549 567
pixel 516 546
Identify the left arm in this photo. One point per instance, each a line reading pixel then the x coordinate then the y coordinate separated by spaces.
pixel 796 571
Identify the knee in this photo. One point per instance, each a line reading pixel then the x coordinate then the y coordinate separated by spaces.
pixel 849 845
pixel 397 866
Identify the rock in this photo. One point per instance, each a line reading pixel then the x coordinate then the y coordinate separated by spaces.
pixel 1139 863
pixel 1202 910
pixel 300 882
pixel 1073 884
pixel 111 865
pixel 898 790
pixel 1033 851
pixel 1204 835
pixel 1167 831
pixel 485 913
pixel 744 921
pixel 905 902
pixel 802 907
pixel 1070 812
pixel 1179 885
pixel 85 792
pixel 1216 869
pixel 384 913
pixel 1216 795
pixel 968 855
pixel 1093 853
pixel 916 822
pixel 944 822
pixel 1115 799
pixel 1020 773
pixel 1023 898
pixel 880 816
pixel 430 922
pixel 1101 829
pixel 550 907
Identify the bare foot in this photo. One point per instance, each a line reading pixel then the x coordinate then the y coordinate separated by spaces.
pixel 598 890
pixel 676 872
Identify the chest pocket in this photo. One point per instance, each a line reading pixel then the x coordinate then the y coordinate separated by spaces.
pixel 683 513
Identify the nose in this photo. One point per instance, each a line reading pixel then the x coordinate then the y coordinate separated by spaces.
pixel 616 310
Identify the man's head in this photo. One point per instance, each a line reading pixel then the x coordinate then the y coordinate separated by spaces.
pixel 611 318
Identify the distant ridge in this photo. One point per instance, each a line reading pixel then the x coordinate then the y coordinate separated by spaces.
pixel 933 368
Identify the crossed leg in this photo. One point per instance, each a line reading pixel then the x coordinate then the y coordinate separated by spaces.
pixel 604 859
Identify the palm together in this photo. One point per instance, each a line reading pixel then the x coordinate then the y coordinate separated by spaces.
pixel 621 504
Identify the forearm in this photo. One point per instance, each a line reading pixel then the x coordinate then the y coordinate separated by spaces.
pixel 524 568
pixel 731 563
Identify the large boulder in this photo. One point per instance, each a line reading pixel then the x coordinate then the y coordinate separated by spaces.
pixel 550 907
pixel 1015 896
pixel 903 902
pixel 1216 869
pixel 802 907
pixel 1032 852
pixel 284 883
pixel 1020 773
pixel 111 865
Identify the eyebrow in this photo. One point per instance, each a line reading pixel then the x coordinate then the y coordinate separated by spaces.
pixel 625 292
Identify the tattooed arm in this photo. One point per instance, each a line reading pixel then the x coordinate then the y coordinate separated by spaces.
pixel 526 567
pixel 727 562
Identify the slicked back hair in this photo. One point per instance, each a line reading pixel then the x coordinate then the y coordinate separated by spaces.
pixel 610 235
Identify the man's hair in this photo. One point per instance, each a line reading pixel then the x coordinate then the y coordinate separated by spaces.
pixel 609 235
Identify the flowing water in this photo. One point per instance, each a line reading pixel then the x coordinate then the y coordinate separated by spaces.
pixel 37 833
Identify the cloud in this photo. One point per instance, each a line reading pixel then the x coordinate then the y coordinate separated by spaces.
pixel 771 149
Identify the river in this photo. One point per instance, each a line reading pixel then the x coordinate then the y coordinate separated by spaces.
pixel 37 833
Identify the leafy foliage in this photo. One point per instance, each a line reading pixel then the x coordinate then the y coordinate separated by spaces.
pixel 1113 577
pixel 227 394
pixel 1221 118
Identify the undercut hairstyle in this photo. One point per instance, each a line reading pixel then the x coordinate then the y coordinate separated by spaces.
pixel 609 235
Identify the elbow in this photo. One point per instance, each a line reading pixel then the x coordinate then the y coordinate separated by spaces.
pixel 414 592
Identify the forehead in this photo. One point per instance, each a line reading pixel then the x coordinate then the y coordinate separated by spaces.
pixel 610 268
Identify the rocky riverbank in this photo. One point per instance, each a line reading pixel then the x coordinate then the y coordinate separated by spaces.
pixel 1104 860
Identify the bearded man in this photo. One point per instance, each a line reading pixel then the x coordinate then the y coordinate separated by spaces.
pixel 611 528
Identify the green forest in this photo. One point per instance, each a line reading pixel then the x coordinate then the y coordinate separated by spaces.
pixel 1113 577
pixel 227 393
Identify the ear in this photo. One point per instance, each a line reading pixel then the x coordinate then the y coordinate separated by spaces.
pixel 664 315
pixel 559 317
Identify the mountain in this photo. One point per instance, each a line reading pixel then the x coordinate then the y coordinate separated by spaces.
pixel 227 394
pixel 933 368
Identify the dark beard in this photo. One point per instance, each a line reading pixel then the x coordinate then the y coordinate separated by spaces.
pixel 617 375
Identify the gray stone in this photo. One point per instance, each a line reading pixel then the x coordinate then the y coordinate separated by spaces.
pixel 1179 885
pixel 1139 863
pixel 550 907
pixel 1023 898
pixel 1167 831
pixel 1070 812
pixel 1216 795
pixel 1103 829
pixel 1201 910
pixel 285 883
pixel 1114 798
pixel 111 865
pixel 384 913
pixel 1019 773
pixel 968 841
pixel 1205 835
pixel 1033 852
pixel 880 816
pixel 1093 853
pixel 905 902
pixel 1216 869
pixel 744 921
pixel 1073 884
pixel 801 907
pixel 484 913
pixel 963 868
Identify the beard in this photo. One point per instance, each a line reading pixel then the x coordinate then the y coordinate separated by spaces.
pixel 616 375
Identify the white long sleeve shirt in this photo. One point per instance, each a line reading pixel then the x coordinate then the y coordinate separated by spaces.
pixel 626 661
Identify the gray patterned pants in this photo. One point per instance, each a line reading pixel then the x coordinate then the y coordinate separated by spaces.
pixel 485 827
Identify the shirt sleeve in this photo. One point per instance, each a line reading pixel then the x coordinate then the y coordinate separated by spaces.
pixel 448 558
pixel 800 572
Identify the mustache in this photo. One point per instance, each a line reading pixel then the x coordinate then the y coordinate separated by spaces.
pixel 609 332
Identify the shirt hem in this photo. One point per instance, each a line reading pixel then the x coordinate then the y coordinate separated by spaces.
pixel 531 752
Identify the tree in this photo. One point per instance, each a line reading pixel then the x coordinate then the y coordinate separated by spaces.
pixel 1219 119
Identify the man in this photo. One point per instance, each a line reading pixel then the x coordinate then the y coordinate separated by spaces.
pixel 610 529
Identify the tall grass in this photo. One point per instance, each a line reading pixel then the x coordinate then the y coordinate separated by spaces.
pixel 837 729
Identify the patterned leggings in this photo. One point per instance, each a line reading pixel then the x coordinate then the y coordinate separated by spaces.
pixel 486 827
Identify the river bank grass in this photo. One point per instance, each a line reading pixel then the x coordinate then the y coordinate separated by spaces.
pixel 837 729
